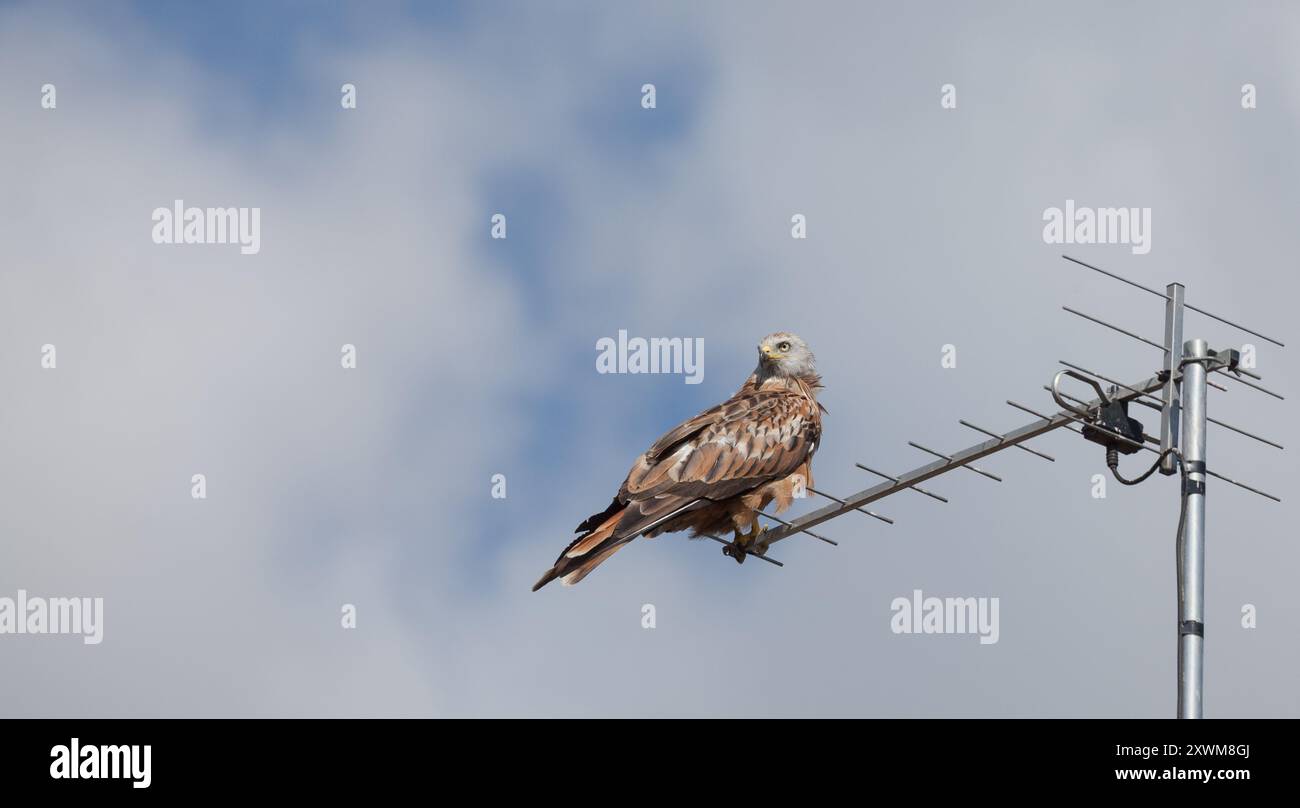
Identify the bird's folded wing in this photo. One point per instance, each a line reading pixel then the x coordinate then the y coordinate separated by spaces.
pixel 752 439
pixel 739 445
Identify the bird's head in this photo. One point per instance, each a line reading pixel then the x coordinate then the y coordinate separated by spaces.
pixel 785 354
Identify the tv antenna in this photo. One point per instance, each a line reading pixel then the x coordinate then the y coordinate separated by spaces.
pixel 1177 389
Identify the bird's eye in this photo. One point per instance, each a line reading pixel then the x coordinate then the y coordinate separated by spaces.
pixel 783 347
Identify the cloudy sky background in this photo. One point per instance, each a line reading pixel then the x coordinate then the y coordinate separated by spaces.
pixel 476 357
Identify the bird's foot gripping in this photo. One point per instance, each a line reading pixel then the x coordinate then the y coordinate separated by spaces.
pixel 734 550
pixel 743 544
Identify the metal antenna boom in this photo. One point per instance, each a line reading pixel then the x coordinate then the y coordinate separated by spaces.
pixel 1178 391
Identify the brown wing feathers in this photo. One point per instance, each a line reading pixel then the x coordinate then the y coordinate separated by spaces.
pixel 576 554
pixel 751 439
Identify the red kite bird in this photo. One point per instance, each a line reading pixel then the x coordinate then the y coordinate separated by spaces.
pixel 715 472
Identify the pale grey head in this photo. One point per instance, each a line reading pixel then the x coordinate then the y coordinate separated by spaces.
pixel 786 355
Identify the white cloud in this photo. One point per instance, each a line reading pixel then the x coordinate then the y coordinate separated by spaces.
pixel 370 486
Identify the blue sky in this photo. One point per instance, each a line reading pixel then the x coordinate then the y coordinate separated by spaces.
pixel 477 357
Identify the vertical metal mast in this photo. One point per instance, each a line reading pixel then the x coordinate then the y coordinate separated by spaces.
pixel 1191 555
pixel 1170 405
pixel 1178 392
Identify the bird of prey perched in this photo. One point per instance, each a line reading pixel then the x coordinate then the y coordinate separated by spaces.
pixel 716 471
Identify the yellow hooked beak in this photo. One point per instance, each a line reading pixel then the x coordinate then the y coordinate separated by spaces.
pixel 768 353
